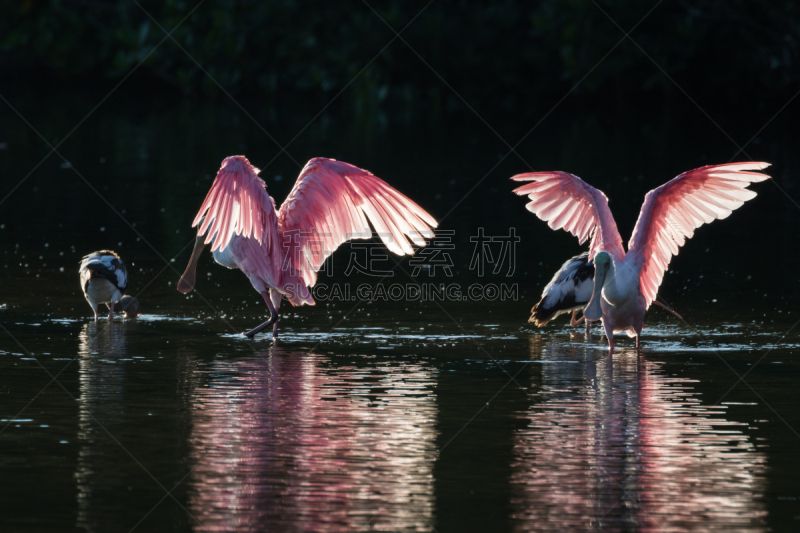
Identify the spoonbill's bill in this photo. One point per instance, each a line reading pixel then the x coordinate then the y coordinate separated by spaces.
pixel 626 283
pixel 281 250
pixel 104 279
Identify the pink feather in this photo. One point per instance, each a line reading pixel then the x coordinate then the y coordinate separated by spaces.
pixel 589 208
pixel 331 202
pixel 692 199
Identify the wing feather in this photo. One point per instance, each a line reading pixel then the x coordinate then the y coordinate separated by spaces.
pixel 672 212
pixel 334 202
pixel 565 201
pixel 237 204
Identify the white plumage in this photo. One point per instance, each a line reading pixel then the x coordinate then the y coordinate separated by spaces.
pixel 104 280
pixel 568 291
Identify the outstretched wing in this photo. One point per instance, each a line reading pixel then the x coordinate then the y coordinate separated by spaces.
pixel 672 212
pixel 567 202
pixel 237 204
pixel 334 202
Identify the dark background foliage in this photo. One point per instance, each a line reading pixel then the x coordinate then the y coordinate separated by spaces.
pixel 499 52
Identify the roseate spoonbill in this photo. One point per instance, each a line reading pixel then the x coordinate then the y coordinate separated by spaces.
pixel 570 290
pixel 625 284
pixel 280 251
pixel 104 279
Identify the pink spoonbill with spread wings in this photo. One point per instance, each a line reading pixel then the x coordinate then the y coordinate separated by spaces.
pixel 281 250
pixel 626 283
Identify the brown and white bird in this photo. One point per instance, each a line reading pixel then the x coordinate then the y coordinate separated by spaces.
pixel 569 291
pixel 104 279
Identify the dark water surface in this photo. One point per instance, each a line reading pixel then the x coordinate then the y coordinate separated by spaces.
pixel 388 415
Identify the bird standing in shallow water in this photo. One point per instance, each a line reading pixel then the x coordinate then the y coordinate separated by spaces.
pixel 570 290
pixel 280 251
pixel 626 283
pixel 104 280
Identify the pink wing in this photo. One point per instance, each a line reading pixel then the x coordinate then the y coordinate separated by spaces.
pixel 333 202
pixel 672 212
pixel 237 204
pixel 567 202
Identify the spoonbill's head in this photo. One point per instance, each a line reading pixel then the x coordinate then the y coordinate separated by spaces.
pixel 602 261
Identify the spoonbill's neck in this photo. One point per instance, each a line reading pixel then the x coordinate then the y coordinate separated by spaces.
pixel 620 282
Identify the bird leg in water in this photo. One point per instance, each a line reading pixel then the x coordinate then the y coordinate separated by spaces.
pixel 275 326
pixel 667 308
pixel 111 311
pixel 273 318
pixel 610 336
pixel 575 323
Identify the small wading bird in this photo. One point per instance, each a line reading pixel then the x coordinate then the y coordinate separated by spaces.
pixel 625 284
pixel 104 280
pixel 570 290
pixel 280 251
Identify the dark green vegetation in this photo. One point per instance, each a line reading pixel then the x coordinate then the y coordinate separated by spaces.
pixel 502 52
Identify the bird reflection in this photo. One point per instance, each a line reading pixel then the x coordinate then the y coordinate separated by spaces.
pixel 102 398
pixel 287 440
pixel 615 443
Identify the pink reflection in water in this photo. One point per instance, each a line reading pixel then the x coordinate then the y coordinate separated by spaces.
pixel 616 444
pixel 291 441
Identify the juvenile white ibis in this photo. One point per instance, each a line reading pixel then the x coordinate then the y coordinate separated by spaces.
pixel 568 291
pixel 104 280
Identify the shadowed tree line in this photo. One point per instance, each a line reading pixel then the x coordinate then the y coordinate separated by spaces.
pixel 503 52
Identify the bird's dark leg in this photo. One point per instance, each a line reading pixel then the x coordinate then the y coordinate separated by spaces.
pixel 588 326
pixel 111 312
pixel 273 318
pixel 638 335
pixel 610 336
pixel 277 303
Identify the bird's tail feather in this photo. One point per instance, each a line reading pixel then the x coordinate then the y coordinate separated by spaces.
pixel 540 315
